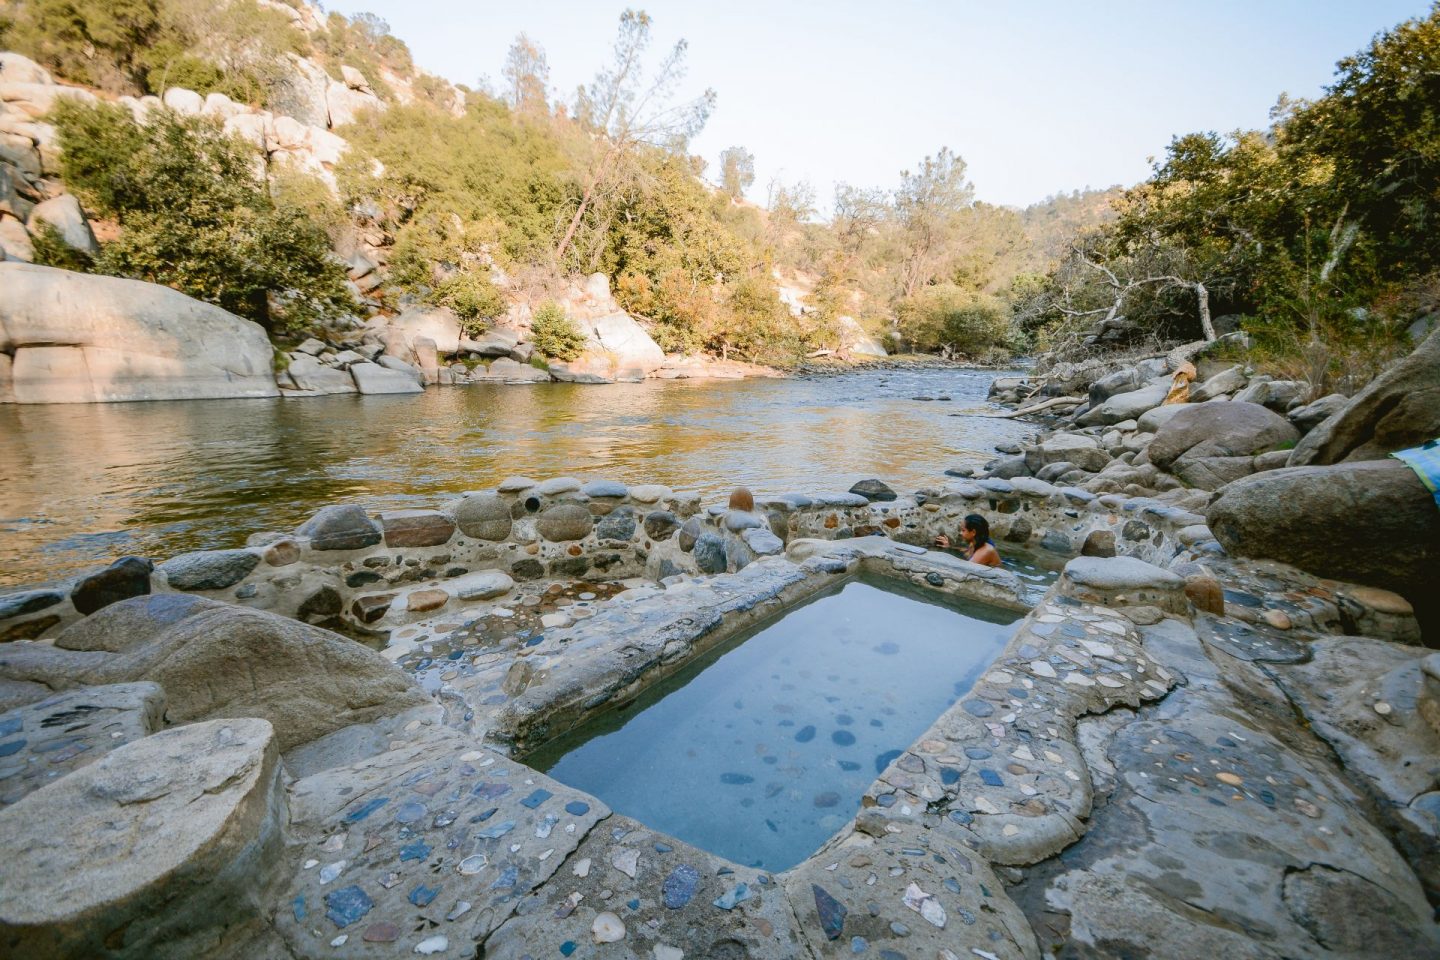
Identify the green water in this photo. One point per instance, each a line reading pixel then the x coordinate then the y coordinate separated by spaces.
pixel 760 750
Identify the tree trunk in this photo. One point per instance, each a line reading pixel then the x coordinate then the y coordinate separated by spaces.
pixel 1202 296
pixel 595 177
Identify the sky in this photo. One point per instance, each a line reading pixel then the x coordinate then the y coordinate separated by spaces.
pixel 1037 97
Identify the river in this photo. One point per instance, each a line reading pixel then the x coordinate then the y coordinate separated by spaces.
pixel 83 484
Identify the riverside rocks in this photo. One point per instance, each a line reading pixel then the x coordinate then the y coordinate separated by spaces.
pixel 1398 409
pixel 126 577
pixel 185 643
pixel 192 819
pixel 1209 444
pixel 82 338
pixel 1127 406
pixel 1297 515
pixel 409 834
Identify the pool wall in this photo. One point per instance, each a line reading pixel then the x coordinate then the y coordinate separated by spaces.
pixel 373 574
pixel 647 634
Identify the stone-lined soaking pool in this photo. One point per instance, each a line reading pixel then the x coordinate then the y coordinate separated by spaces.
pixel 760 750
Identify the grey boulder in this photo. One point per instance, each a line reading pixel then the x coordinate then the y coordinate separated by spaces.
pixel 1303 516
pixel 1127 406
pixel 1399 409
pixel 209 569
pixel 1204 432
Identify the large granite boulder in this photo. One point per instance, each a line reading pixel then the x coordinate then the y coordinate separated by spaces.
pixel 438 323
pixel 617 348
pixel 221 660
pixel 313 376
pixel 1210 444
pixel 1370 522
pixel 373 378
pixel 1126 406
pixel 82 338
pixel 1399 409
pixel 159 850
pixel 64 214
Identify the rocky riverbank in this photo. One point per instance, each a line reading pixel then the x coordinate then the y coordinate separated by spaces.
pixel 1188 748
pixel 355 815
pixel 1278 474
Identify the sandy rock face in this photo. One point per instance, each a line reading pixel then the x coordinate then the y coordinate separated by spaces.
pixel 191 817
pixel 80 338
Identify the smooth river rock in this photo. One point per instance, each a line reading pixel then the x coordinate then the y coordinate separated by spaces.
pixel 218 659
pixel 341 527
pixel 85 338
pixel 1299 515
pixel 484 516
pixel 191 818
pixel 1224 429
pixel 209 569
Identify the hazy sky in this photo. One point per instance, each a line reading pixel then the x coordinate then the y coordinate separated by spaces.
pixel 1038 97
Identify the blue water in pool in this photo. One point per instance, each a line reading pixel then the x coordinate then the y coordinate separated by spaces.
pixel 760 750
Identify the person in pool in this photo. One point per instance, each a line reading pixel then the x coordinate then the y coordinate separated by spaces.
pixel 979 548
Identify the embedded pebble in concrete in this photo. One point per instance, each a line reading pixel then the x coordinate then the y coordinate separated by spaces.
pixel 680 902
pixel 44 741
pixel 468 843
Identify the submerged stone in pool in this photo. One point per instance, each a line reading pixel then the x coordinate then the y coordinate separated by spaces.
pixel 860 651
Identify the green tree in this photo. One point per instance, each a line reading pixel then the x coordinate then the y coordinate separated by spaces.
pixel 928 207
pixel 555 335
pixel 194 215
pixel 527 74
pixel 626 111
pixel 737 171
pixel 954 320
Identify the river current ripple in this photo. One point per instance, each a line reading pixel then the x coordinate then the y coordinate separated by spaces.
pixel 81 485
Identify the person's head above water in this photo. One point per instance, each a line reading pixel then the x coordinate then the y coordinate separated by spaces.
pixel 978 526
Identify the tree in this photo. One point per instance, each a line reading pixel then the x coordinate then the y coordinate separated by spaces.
pixel 928 206
pixel 626 112
pixel 526 73
pixel 737 171
pixel 555 335
pixel 194 215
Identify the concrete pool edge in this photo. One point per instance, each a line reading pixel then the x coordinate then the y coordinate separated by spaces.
pixel 580 671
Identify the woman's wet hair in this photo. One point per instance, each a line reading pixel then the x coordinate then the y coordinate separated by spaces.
pixel 981 526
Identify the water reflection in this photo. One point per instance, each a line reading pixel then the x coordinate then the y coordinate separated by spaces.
pixel 83 484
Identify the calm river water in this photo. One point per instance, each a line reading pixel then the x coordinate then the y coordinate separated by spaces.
pixel 83 484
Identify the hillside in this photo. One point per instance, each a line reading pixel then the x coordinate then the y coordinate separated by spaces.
pixel 487 207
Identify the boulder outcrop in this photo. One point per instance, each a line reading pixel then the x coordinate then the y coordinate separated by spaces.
pixel 219 660
pixel 1210 444
pixel 81 338
pixel 1370 522
pixel 1399 409
pixel 191 818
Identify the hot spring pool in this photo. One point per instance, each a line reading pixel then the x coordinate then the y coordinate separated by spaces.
pixel 761 749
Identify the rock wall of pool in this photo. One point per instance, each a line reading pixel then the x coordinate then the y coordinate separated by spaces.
pixel 760 749
pixel 1119 769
